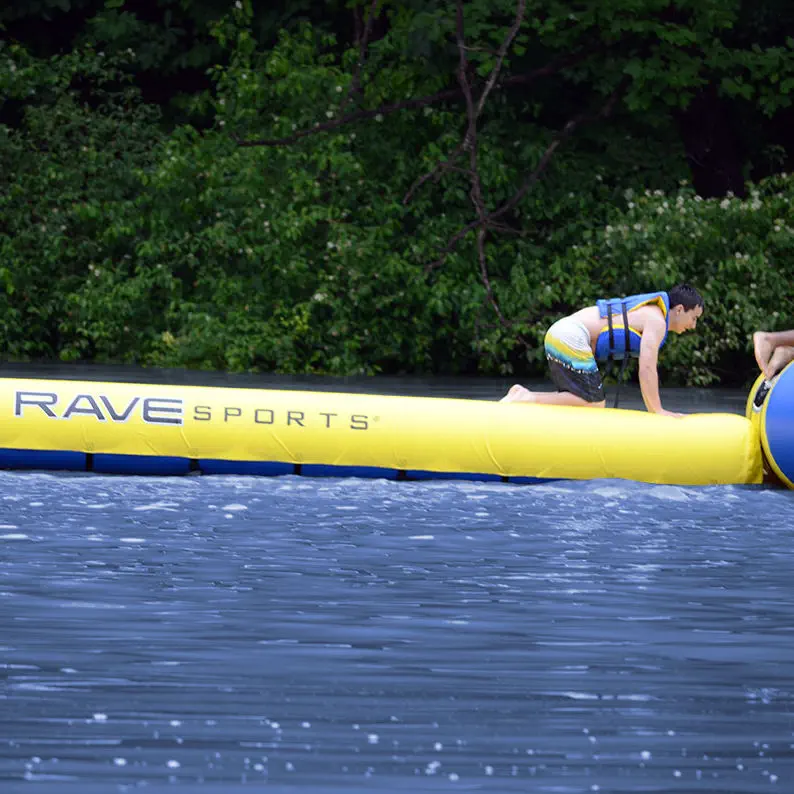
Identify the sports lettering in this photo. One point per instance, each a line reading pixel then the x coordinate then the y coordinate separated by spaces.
pixel 231 414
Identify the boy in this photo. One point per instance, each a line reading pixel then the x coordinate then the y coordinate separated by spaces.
pixel 597 333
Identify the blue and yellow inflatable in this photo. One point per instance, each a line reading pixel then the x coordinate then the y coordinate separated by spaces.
pixel 154 429
pixel 769 409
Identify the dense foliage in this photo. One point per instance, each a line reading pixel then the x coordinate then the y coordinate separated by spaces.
pixel 396 187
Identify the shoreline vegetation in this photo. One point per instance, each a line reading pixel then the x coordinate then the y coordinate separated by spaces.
pixel 372 187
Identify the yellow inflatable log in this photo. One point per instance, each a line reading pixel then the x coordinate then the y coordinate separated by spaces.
pixel 146 428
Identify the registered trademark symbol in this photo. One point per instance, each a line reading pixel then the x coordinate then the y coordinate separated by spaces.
pixel 376 419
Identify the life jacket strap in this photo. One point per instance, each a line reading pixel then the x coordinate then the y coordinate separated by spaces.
pixel 627 350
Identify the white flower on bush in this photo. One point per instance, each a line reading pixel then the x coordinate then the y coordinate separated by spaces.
pixel 725 203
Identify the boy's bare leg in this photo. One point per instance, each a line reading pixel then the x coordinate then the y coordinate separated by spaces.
pixel 518 394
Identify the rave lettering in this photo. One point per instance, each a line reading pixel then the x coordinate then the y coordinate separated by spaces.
pixel 153 410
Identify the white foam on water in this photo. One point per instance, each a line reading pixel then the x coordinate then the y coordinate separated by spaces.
pixel 234 507
pixel 610 491
pixel 669 493
pixel 172 507
pixel 15 536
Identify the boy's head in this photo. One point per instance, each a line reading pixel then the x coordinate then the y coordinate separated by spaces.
pixel 686 305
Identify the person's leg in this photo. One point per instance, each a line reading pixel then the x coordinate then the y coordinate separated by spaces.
pixel 765 346
pixel 762 347
pixel 780 358
pixel 564 398
pixel 572 368
pixel 517 394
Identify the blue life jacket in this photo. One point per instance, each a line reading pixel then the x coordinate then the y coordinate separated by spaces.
pixel 613 341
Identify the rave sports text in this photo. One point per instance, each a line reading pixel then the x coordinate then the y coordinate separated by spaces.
pixel 171 411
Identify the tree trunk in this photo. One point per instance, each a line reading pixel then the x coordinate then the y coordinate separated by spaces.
pixel 712 147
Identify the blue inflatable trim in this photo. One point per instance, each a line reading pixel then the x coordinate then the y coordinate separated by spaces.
pixel 106 463
pixel 254 467
pixel 367 472
pixel 420 474
pixel 42 459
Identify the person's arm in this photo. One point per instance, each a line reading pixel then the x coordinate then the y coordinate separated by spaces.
pixel 652 336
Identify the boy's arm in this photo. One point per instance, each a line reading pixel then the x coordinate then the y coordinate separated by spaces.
pixel 652 336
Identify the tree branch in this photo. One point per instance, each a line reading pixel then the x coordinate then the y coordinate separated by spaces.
pixel 535 174
pixel 551 68
pixel 434 173
pixel 355 83
pixel 511 34
pixel 359 115
pixel 473 112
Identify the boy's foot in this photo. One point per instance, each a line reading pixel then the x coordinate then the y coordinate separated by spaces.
pixel 518 394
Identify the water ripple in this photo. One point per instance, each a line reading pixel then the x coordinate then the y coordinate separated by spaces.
pixel 343 635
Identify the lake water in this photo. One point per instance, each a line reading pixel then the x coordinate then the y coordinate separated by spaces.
pixel 217 634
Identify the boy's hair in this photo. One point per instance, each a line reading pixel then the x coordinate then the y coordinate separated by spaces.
pixel 685 296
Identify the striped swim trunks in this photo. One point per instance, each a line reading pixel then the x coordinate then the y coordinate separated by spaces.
pixel 572 365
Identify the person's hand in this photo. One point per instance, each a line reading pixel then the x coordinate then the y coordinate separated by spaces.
pixel 671 413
